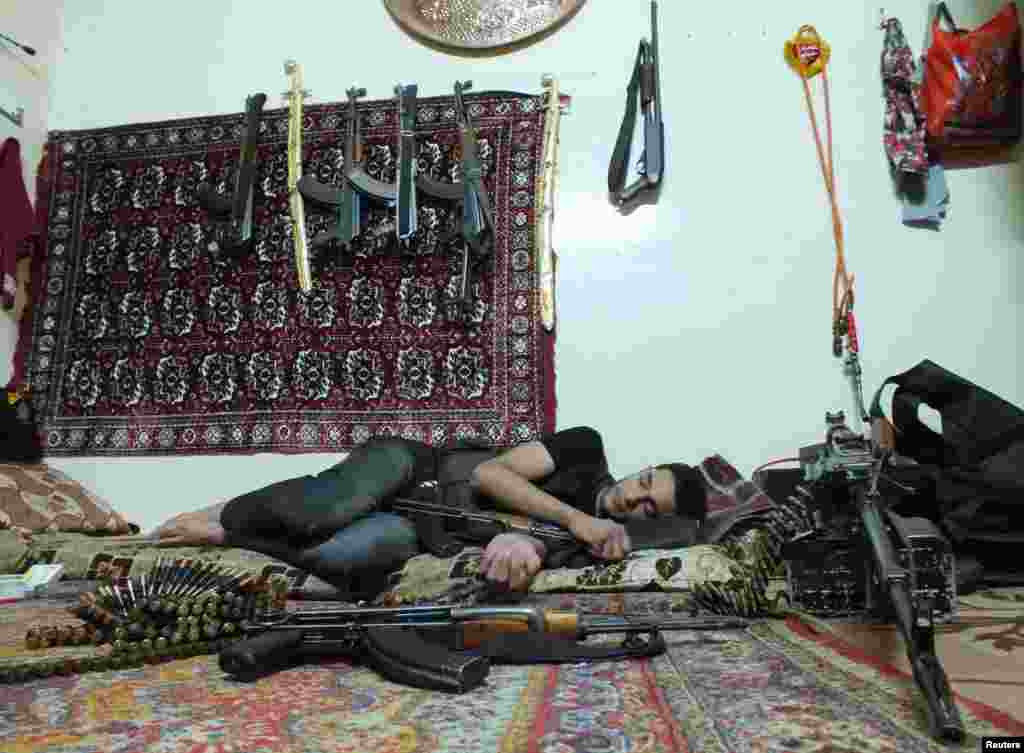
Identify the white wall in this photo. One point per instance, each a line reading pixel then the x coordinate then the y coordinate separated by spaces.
pixel 26 81
pixel 700 325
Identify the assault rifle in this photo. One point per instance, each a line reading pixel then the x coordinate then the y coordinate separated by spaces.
pixel 645 83
pixel 478 526
pixel 482 526
pixel 233 228
pixel 477 218
pixel 357 187
pixel 446 648
pixel 405 209
pixel 477 230
pixel 906 558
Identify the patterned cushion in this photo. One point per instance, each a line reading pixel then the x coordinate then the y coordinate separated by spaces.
pixel 91 557
pixel 37 498
pixel 428 578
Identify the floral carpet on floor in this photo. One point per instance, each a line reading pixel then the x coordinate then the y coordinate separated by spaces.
pixel 144 339
pixel 780 686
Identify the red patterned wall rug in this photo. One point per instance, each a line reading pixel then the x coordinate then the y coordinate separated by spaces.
pixel 143 341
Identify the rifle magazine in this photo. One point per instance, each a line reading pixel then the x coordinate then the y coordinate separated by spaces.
pixel 217 204
pixel 402 656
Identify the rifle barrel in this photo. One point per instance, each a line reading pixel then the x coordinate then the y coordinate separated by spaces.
pixel 531 618
pixel 527 526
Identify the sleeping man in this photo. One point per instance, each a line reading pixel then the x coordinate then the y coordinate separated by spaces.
pixel 333 524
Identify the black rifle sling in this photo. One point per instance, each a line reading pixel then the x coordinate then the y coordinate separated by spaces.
pixel 619 165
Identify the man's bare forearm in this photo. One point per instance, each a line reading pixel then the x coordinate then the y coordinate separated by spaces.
pixel 512 492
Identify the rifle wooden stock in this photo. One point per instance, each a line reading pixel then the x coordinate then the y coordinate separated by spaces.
pixel 577 626
pixel 557 623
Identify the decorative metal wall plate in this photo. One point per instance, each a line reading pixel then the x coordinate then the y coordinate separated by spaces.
pixel 478 25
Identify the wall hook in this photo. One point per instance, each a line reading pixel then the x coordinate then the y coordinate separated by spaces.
pixel 17 117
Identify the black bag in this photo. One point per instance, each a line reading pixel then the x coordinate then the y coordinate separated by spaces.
pixel 974 468
pixel 19 435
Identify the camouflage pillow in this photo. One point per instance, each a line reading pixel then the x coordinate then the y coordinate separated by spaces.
pixel 38 498
pixel 428 578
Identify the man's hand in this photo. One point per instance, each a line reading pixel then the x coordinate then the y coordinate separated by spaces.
pixel 511 560
pixel 190 529
pixel 607 539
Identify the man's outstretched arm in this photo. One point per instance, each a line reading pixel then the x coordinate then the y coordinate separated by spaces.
pixel 508 480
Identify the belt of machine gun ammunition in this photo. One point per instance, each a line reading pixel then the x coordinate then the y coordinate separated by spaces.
pixel 180 608
pixel 757 547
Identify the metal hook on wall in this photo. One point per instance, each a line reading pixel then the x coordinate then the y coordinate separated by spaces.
pixel 17 117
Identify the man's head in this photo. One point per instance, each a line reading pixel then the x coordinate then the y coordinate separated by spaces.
pixel 655 491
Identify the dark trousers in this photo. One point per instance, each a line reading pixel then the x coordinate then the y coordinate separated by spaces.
pixel 362 546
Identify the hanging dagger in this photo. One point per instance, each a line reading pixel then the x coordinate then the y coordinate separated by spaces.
pixel 295 97
pixel 546 256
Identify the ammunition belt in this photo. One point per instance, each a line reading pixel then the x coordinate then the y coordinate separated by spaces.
pixel 757 548
pixel 186 608
pixel 133 655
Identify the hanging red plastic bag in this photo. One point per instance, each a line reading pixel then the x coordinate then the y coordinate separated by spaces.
pixel 972 78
